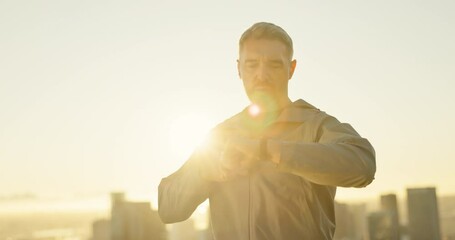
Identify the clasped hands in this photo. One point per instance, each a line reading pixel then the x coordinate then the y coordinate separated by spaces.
pixel 236 157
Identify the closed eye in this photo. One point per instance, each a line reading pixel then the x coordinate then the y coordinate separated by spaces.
pixel 251 63
pixel 275 64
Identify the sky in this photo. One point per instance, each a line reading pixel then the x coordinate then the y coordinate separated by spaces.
pixel 102 96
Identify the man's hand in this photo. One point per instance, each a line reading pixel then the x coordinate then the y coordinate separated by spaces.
pixel 243 153
pixel 237 157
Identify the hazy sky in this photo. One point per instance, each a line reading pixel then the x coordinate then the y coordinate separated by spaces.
pixel 97 96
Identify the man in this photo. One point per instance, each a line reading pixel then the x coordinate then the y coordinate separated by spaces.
pixel 271 171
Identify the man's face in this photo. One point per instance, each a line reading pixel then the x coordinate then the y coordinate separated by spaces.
pixel 265 68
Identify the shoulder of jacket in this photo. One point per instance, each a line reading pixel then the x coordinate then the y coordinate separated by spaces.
pixel 231 122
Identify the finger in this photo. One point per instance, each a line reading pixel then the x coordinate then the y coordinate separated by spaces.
pixel 249 147
pixel 230 161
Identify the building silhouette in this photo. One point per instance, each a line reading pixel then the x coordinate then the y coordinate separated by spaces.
pixel 423 214
pixel 350 221
pixel 101 230
pixel 380 225
pixel 389 204
pixel 343 219
pixel 446 206
pixel 129 221
pixel 136 220
pixel 359 221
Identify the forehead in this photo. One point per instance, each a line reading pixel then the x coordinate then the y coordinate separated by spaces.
pixel 263 48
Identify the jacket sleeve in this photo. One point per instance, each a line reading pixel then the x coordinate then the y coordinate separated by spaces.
pixel 180 193
pixel 338 157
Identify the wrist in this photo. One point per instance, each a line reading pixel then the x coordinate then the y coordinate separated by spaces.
pixel 270 150
pixel 274 151
pixel 263 150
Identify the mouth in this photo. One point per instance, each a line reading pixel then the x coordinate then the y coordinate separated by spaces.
pixel 262 87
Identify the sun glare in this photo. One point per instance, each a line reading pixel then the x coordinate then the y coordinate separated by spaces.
pixel 254 110
pixel 186 132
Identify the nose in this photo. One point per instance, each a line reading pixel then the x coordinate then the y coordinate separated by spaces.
pixel 262 74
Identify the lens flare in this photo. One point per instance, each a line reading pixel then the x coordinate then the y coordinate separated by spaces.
pixel 187 132
pixel 254 110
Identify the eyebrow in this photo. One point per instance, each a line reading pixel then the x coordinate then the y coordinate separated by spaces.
pixel 274 61
pixel 251 60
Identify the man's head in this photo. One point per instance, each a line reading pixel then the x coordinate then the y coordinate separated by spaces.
pixel 270 31
pixel 265 65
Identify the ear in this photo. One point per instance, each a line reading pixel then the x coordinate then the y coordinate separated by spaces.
pixel 292 68
pixel 238 69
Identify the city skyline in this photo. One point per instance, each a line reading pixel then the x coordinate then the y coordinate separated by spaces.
pixel 109 96
pixel 354 220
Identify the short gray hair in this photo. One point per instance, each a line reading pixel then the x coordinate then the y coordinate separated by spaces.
pixel 265 30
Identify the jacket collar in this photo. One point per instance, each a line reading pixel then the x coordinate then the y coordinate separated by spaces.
pixel 298 111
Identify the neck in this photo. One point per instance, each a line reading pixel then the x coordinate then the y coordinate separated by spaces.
pixel 273 106
pixel 266 112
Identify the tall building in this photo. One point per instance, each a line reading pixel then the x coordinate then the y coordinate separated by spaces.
pixel 343 221
pixel 389 204
pixel 423 214
pixel 350 221
pixel 101 230
pixel 134 220
pixel 380 225
pixel 446 207
pixel 359 221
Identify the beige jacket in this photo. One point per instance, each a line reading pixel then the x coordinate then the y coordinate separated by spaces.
pixel 293 200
